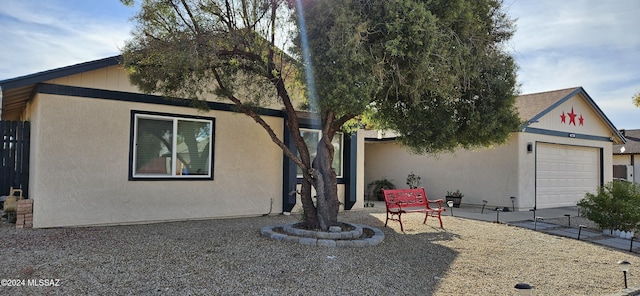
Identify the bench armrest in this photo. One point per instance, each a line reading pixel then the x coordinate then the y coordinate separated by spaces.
pixel 437 201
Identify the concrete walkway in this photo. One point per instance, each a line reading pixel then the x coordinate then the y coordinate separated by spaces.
pixel 526 219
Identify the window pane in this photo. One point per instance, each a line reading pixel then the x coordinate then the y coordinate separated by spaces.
pixel 193 143
pixel 153 147
pixel 337 153
pixel 311 138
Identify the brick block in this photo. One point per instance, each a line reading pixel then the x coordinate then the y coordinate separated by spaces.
pixel 24 214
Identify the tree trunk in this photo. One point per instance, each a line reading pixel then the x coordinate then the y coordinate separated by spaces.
pixel 309 210
pixel 326 184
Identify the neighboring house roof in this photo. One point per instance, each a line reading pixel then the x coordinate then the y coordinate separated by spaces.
pixel 16 92
pixel 633 143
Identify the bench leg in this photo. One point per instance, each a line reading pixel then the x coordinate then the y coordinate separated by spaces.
pixel 386 221
pixel 439 216
pixel 399 220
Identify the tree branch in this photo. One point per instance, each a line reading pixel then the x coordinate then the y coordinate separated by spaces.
pixel 257 118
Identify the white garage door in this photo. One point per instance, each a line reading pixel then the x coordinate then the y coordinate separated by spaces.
pixel 565 173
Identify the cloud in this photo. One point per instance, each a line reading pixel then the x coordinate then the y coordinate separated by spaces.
pixel 556 24
pixel 594 44
pixel 37 38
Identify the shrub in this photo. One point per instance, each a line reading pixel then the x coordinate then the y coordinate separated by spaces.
pixel 616 205
pixel 376 187
pixel 413 180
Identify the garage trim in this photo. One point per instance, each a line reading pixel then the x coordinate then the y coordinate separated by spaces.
pixel 540 131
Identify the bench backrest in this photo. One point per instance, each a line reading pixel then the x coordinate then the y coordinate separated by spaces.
pixel 395 198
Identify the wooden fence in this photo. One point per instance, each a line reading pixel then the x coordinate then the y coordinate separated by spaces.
pixel 14 153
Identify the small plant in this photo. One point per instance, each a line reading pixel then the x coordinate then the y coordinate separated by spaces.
pixel 456 193
pixel 413 180
pixel 375 188
pixel 616 205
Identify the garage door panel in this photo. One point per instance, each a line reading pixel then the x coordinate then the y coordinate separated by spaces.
pixel 565 173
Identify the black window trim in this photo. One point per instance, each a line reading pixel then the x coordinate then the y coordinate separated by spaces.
pixel 172 115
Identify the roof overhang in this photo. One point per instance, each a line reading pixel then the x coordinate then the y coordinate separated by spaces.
pixel 16 92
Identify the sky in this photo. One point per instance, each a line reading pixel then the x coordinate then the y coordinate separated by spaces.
pixel 558 44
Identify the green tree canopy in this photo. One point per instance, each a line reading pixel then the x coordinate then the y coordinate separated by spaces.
pixel 636 100
pixel 435 71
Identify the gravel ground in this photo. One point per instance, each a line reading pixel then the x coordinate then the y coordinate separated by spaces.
pixel 229 257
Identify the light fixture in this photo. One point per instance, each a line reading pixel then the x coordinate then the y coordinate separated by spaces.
pixel 529 147
pixel 535 223
pixel 524 289
pixel 484 203
pixel 624 266
pixel 513 203
pixel 498 210
pixel 534 212
pixel 580 230
pixel 450 204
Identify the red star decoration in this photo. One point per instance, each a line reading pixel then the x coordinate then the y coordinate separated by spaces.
pixel 563 118
pixel 581 119
pixel 572 117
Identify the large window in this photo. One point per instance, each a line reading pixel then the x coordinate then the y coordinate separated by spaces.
pixel 168 146
pixel 312 137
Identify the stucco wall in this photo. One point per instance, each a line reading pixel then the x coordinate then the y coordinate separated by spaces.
pixel 80 162
pixel 592 123
pixel 116 79
pixel 493 174
pixel 622 159
pixel 486 174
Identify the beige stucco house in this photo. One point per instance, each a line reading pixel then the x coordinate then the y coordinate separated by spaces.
pixel 626 157
pixel 101 153
pixel 562 150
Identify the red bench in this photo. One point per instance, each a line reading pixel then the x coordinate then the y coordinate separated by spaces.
pixel 402 201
